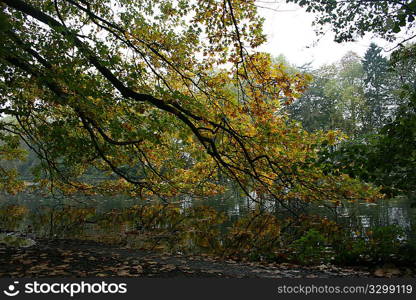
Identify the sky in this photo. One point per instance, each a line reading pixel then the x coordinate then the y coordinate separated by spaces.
pixel 290 32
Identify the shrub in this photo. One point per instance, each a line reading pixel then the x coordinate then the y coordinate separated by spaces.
pixel 310 248
pixel 384 243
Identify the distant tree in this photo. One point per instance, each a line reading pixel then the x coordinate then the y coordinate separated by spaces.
pixel 388 158
pixel 334 99
pixel 317 109
pixel 352 101
pixel 377 89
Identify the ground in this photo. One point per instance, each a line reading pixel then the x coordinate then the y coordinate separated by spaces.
pixel 76 258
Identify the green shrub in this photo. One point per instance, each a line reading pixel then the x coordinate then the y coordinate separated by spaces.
pixel 350 251
pixel 378 245
pixel 384 243
pixel 310 248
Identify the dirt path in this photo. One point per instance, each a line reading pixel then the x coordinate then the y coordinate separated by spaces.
pixel 74 258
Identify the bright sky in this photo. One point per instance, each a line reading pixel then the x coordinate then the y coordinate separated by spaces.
pixel 290 33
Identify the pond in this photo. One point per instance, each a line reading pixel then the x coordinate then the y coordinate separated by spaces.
pixel 395 211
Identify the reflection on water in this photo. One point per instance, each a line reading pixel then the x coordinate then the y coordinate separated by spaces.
pixel 399 216
pixel 396 211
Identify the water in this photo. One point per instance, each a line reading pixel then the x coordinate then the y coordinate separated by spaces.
pixel 395 211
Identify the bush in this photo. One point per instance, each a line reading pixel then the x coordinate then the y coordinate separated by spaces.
pixel 310 248
pixel 350 250
pixel 385 243
pixel 379 245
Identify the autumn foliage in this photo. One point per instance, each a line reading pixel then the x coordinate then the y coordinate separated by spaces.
pixel 160 99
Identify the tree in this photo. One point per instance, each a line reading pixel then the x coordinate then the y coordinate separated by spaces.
pixel 317 108
pixel 142 90
pixel 378 91
pixel 397 145
pixel 388 157
pixel 353 19
pixel 334 99
pixel 352 93
pixel 402 62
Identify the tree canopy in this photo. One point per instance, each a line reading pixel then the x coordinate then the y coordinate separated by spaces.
pixel 171 97
pixel 350 20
